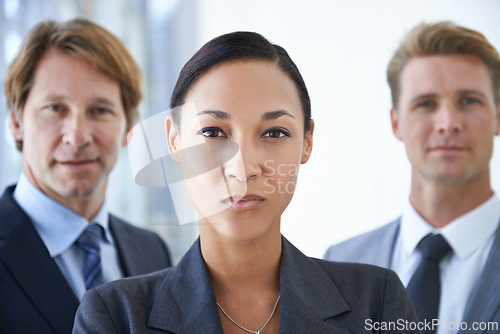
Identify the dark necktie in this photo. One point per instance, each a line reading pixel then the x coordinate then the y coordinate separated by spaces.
pixel 92 268
pixel 425 287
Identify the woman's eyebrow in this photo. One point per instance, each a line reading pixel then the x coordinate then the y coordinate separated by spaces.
pixel 270 115
pixel 217 114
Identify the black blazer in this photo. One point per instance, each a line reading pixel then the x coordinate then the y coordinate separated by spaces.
pixel 34 295
pixel 316 297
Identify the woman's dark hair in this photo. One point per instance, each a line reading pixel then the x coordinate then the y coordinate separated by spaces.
pixel 240 45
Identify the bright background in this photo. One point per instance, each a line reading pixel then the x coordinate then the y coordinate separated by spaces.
pixel 358 176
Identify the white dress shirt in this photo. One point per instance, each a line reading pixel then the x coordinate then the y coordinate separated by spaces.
pixel 59 228
pixel 470 237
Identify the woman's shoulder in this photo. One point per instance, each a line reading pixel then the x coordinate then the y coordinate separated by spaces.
pixel 133 288
pixel 119 306
pixel 339 272
pixel 347 293
pixel 347 269
pixel 351 279
pixel 366 283
pixel 361 276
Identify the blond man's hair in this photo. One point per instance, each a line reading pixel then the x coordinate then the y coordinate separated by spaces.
pixel 442 38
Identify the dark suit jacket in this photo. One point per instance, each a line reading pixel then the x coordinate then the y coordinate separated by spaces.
pixel 316 297
pixel 377 247
pixel 34 295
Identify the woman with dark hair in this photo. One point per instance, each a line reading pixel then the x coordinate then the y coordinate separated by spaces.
pixel 241 275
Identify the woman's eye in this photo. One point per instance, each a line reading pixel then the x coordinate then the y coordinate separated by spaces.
pixel 276 133
pixel 212 132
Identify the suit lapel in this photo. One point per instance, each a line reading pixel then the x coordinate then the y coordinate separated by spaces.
pixel 185 303
pixel 306 295
pixel 29 261
pixel 387 240
pixel 484 302
pixel 129 248
pixel 125 255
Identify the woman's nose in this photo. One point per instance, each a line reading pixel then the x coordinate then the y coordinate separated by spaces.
pixel 245 164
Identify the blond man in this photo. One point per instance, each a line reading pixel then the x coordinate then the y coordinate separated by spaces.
pixel 445 84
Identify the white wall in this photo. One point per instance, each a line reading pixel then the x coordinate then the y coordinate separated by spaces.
pixel 358 176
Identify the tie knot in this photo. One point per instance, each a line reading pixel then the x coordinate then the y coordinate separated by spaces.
pixel 434 247
pixel 89 239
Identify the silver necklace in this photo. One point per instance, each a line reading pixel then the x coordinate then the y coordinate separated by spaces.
pixel 247 330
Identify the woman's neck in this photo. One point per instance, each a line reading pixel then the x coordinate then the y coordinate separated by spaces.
pixel 243 269
pixel 245 276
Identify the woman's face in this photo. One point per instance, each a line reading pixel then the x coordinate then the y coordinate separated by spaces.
pixel 248 119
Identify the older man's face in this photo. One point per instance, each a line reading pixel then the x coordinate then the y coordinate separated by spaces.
pixel 73 126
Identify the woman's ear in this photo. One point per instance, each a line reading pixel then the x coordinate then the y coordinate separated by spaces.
pixel 172 138
pixel 308 144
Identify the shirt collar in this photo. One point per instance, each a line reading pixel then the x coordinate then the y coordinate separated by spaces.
pixel 413 228
pixel 58 226
pixel 462 234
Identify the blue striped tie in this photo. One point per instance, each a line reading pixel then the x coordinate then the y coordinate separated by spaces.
pixel 92 268
pixel 424 288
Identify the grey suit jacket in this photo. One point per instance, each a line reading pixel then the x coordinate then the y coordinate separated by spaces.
pixel 316 297
pixel 376 247
pixel 34 295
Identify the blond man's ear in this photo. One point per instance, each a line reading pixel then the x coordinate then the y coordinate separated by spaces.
pixel 395 124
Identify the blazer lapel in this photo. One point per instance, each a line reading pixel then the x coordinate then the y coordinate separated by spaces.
pixel 381 240
pixel 131 249
pixel 484 302
pixel 185 303
pixel 124 246
pixel 30 263
pixel 306 295
pixel 385 239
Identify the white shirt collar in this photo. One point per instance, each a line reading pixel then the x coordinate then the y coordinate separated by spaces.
pixel 58 226
pixel 464 234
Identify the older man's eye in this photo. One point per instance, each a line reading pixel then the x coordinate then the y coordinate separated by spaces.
pixel 100 111
pixel 55 107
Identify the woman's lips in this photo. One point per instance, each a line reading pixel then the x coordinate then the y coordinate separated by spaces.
pixel 246 203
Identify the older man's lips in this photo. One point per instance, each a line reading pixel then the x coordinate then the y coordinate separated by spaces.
pixel 78 164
